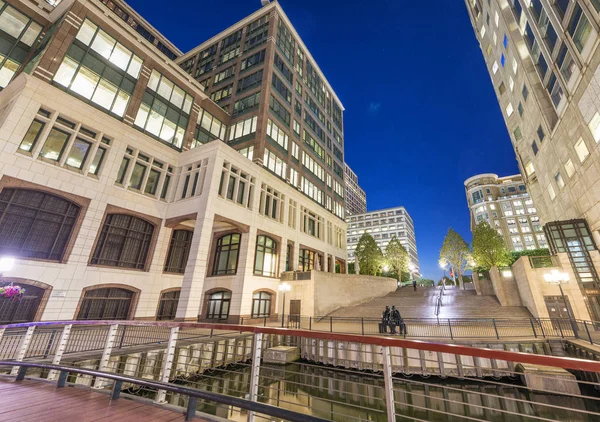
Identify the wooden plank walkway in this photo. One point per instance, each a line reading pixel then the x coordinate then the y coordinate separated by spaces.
pixel 41 401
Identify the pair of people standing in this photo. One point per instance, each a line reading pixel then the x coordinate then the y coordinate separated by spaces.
pixel 393 319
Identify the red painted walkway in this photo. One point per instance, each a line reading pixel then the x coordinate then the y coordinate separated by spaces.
pixel 42 402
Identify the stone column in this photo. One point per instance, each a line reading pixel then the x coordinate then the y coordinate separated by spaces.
pixel 295 257
pixel 192 287
pixel 241 300
pixel 282 255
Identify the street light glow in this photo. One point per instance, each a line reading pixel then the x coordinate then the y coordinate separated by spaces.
pixel 285 287
pixel 6 263
pixel 556 276
pixel 442 265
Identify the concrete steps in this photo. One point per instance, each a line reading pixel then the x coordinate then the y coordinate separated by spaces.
pixel 422 304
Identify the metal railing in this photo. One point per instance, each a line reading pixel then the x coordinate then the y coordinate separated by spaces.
pixel 192 394
pixel 341 376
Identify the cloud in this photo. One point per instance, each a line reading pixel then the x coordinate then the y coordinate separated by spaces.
pixel 374 107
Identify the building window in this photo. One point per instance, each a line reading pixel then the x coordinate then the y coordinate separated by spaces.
pixel 275 164
pixel 250 82
pixel 540 133
pixel 551 192
pixel 167 306
pixel 208 128
pixel 165 110
pixel 236 185
pixel 581 150
pixel 569 168
pixel 579 28
pixel 534 148
pixel 559 180
pixel 271 203
pixel 179 251
pixel 67 143
pixel 226 254
pixel 35 224
pixel 265 262
pixel 529 169
pixel 277 134
pixel 218 305
pixel 124 242
pixel 525 92
pixel 306 260
pixel 509 110
pixel 520 109
pixel 246 104
pixel 106 303
pixel 145 174
pixel 18 33
pixel 261 305
pixel 100 69
pixel 279 111
pixel 24 309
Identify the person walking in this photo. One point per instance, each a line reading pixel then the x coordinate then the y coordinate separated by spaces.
pixel 415 285
pixel 385 319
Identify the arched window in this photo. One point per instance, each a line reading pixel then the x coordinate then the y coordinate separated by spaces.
pixel 24 309
pixel 35 224
pixel 265 262
pixel 261 305
pixel 124 242
pixel 106 303
pixel 218 305
pixel 226 254
pixel 167 307
pixel 307 260
pixel 179 251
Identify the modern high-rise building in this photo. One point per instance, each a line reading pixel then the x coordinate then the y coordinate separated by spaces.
pixel 503 202
pixel 356 198
pixel 543 60
pixel 384 225
pixel 121 196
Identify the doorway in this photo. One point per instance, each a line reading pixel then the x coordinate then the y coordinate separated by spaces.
pixel 556 307
pixel 295 306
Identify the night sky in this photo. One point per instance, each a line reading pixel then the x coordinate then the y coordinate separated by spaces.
pixel 421 114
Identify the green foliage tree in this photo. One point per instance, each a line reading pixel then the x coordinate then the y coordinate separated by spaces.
pixel 369 255
pixel 455 252
pixel 351 269
pixel 514 256
pixel 488 247
pixel 396 257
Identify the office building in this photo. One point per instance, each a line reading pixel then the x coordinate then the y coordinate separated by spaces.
pixel 120 194
pixel 356 198
pixel 384 225
pixel 543 60
pixel 503 202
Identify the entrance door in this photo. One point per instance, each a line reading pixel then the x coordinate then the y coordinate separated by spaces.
pixel 556 307
pixel 295 313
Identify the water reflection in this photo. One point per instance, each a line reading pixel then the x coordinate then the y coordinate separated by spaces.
pixel 347 396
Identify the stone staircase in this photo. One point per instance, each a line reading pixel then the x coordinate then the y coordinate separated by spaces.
pixel 422 304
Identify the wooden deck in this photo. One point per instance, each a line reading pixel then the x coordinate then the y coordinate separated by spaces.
pixel 42 402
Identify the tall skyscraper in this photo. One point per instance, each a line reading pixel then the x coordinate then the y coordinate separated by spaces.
pixel 543 60
pixel 284 114
pixel 384 225
pixel 356 198
pixel 121 196
pixel 503 202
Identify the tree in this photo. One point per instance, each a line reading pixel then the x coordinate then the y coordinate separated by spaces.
pixel 396 256
pixel 489 249
pixel 455 252
pixel 368 254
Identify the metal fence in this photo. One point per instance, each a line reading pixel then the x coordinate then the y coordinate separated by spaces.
pixel 341 377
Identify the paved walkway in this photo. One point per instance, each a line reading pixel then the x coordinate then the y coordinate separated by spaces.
pixel 41 401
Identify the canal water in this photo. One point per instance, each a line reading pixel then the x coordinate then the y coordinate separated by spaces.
pixel 340 395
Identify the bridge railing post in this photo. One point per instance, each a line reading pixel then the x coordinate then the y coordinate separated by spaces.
pixel 588 332
pixel 62 346
pixel 110 343
pixel 255 372
pixel 496 328
pixel 390 403
pixel 23 348
pixel 168 363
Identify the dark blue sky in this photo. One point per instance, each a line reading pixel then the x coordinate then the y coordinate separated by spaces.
pixel 421 114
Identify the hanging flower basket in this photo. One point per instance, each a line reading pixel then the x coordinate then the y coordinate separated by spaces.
pixel 12 292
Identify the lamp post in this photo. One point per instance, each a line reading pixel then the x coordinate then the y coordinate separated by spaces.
pixel 284 287
pixel 557 277
pixel 443 267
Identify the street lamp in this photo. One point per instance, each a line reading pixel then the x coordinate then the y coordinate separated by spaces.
pixel 284 287
pixel 556 277
pixel 6 264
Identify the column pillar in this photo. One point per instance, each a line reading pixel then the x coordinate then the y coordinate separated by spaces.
pixel 192 287
pixel 282 256
pixel 295 257
pixel 242 287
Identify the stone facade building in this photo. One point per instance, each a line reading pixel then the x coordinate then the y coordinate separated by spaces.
pixel 356 198
pixel 503 202
pixel 543 59
pixel 121 196
pixel 384 225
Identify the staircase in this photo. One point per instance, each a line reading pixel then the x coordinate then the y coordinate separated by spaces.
pixel 422 304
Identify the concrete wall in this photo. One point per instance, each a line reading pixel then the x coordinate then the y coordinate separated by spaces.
pixel 326 292
pixel 505 288
pixel 533 287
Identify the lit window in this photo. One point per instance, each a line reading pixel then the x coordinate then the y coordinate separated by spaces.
pixel 496 18
pixel 515 65
pixel 581 150
pixel 482 32
pixel 569 167
pixel 511 83
pixel 551 192
pixel 495 67
pixel 529 169
pixel 509 109
pixel 594 126
pixel 495 38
